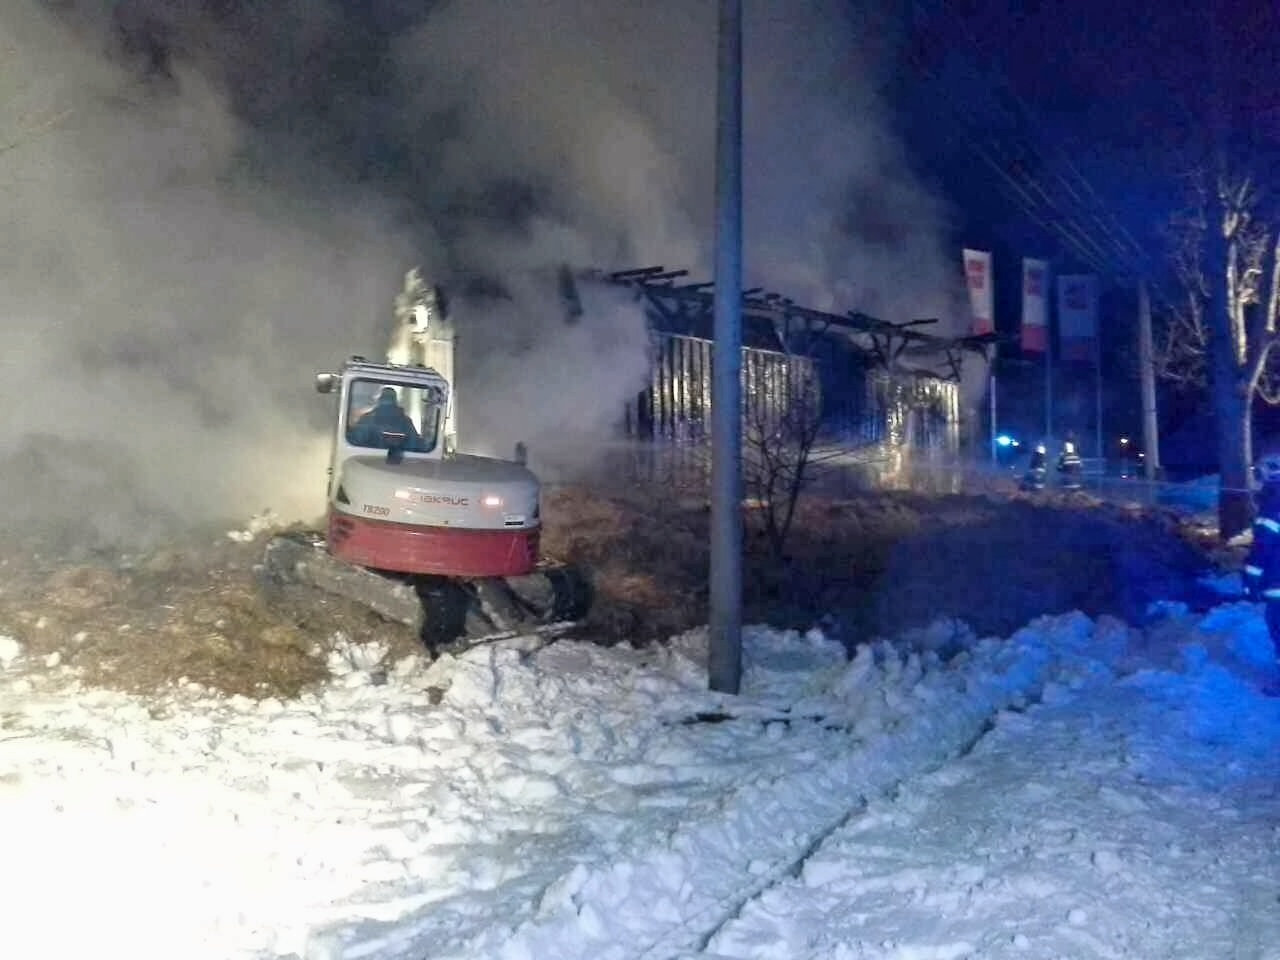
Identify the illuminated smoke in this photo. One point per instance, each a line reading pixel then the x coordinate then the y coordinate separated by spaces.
pixel 230 194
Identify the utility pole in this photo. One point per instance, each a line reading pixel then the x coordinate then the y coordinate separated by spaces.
pixel 1100 448
pixel 995 437
pixel 1050 309
pixel 1147 374
pixel 724 661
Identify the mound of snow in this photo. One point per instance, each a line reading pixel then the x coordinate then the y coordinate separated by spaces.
pixel 581 802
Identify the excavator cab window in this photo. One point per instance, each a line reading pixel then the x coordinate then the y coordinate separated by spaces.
pixel 385 416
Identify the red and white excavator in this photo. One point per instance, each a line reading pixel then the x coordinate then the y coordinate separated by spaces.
pixel 440 540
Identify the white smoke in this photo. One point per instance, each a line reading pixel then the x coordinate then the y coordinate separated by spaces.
pixel 606 113
pixel 188 242
pixel 162 311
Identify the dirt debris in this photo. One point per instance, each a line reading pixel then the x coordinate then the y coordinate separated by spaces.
pixel 192 613
pixel 865 565
pixel 877 563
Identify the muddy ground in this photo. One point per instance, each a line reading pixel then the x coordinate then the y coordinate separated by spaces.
pixel 867 565
pixel 878 563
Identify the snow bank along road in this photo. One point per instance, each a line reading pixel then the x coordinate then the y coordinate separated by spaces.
pixel 582 802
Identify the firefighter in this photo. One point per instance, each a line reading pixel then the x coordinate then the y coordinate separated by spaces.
pixel 1037 470
pixel 1070 467
pixel 1262 567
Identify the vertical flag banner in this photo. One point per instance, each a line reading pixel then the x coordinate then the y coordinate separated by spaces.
pixel 977 274
pixel 1078 316
pixel 1035 305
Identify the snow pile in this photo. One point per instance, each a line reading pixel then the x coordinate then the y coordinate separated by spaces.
pixel 1119 817
pixel 942 796
pixel 1228 584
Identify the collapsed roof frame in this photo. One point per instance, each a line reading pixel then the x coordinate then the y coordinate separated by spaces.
pixel 890 346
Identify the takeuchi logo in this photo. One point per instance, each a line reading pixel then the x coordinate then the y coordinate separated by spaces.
pixel 441 499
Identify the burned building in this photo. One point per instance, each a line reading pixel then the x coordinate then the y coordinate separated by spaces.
pixel 885 392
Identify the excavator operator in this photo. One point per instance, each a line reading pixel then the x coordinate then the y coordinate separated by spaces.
pixel 386 425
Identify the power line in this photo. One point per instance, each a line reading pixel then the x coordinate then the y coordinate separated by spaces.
pixel 1043 211
pixel 1007 88
pixel 1118 253
pixel 1111 251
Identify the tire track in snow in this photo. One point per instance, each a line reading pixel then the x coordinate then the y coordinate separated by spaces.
pixel 643 774
pixel 754 891
pixel 670 902
pixel 789 869
pixel 940 871
pixel 794 868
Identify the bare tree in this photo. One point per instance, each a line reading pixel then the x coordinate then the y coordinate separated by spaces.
pixel 782 418
pixel 1226 253
pixel 1182 350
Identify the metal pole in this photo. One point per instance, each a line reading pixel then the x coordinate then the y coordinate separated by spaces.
pixel 1048 365
pixel 724 663
pixel 1097 393
pixel 1147 371
pixel 995 451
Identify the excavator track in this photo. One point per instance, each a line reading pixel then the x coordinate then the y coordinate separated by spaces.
pixel 446 613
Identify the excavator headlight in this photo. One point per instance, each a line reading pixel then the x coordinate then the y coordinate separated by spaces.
pixel 491 500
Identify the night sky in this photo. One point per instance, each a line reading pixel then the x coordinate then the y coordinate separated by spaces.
pixel 1123 92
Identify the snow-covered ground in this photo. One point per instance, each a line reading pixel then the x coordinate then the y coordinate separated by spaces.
pixel 1079 790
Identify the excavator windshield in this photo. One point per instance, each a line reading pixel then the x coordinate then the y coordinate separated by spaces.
pixel 383 415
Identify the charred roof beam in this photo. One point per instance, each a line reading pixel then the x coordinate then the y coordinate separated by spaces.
pixel 692 303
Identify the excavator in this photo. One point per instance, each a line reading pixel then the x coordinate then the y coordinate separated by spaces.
pixel 442 541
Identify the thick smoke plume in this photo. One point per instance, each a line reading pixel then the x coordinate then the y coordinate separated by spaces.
pixel 209 201
pixel 161 306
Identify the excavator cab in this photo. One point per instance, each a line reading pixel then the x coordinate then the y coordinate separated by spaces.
pixel 384 416
pixel 382 407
